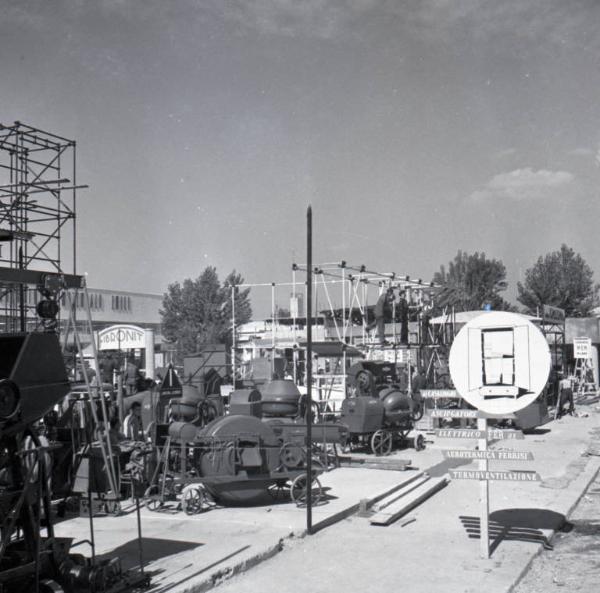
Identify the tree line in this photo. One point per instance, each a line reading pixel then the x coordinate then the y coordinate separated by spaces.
pixel 199 311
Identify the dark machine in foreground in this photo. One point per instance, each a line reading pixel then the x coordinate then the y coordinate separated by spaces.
pixel 382 412
pixel 259 448
pixel 33 380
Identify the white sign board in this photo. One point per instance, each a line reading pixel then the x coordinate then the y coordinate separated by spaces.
pixel 439 394
pixel 500 455
pixel 499 362
pixel 490 475
pixel 582 348
pixel 458 433
pixel 121 337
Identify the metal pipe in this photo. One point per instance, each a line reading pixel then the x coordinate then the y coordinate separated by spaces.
pixel 309 274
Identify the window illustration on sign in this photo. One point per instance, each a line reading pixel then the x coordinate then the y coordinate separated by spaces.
pixel 499 362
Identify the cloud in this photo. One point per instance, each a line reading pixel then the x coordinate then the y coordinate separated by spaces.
pixel 552 22
pixel 524 184
pixel 585 152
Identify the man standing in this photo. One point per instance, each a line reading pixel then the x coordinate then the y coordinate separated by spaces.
pixel 132 425
pixel 565 395
pixel 130 376
pixel 383 308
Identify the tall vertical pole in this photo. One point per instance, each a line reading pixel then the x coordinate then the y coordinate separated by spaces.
pixel 272 329
pixel 309 370
pixel 484 494
pixel 233 344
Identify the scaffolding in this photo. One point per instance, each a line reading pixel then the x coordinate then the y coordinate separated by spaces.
pixel 344 292
pixel 38 199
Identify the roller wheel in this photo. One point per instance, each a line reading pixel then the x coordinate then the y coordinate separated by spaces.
pixel 153 498
pixel 291 456
pixel 419 442
pixel 192 500
pixel 298 490
pixel 381 442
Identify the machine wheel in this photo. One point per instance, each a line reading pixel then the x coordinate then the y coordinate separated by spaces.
pixel 192 500
pixel 381 442
pixel 419 442
pixel 291 456
pixel 298 490
pixel 153 498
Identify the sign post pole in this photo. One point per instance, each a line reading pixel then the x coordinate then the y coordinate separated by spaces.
pixel 484 493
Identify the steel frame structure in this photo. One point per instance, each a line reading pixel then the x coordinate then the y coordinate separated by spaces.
pixel 38 200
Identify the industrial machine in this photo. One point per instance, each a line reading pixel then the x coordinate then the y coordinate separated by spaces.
pixel 259 447
pixel 380 412
pixel 33 380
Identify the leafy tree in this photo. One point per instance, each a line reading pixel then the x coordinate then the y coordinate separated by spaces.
pixel 198 311
pixel 562 279
pixel 470 282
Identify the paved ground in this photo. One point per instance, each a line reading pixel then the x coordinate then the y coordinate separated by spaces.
pixel 435 548
pixel 574 563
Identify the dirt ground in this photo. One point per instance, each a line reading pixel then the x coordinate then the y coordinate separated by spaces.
pixel 574 563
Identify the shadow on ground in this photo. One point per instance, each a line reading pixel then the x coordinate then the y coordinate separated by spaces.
pixel 152 549
pixel 524 525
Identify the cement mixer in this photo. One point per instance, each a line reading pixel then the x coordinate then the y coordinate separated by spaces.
pixel 383 413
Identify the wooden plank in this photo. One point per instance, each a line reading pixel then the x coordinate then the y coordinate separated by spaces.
pixel 374 463
pixel 409 502
pixel 395 497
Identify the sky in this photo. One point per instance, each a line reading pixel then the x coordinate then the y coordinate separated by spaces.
pixel 414 129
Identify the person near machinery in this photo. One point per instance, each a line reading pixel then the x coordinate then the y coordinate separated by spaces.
pixel 131 375
pixel 565 396
pixel 418 382
pixel 132 425
pixel 108 365
pixel 383 309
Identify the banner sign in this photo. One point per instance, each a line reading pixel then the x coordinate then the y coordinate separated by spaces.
pixel 498 476
pixel 582 348
pixel 121 337
pixel 552 314
pixel 457 433
pixel 439 394
pixel 454 413
pixel 499 455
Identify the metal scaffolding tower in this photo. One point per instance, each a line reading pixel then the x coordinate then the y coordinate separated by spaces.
pixel 38 198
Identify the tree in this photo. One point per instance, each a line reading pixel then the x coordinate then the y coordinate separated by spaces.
pixel 199 311
pixel 561 279
pixel 470 282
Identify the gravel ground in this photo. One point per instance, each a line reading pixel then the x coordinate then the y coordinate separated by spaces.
pixel 574 563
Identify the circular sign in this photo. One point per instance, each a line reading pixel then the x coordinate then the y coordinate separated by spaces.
pixel 499 362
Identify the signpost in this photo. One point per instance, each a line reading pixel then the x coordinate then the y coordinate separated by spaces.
pixel 499 363
pixel 582 348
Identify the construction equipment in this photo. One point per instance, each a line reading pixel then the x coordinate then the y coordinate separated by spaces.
pixel 382 412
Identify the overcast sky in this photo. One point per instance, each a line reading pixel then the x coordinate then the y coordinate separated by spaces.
pixel 414 128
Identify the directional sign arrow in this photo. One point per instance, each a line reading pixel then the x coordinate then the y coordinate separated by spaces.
pixel 498 455
pixel 500 476
pixel 457 433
